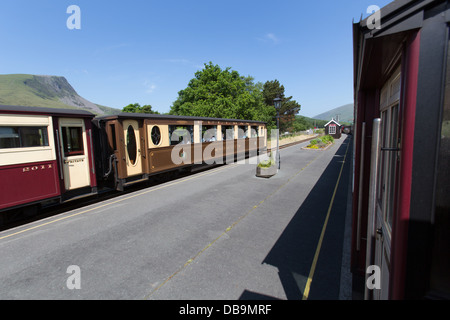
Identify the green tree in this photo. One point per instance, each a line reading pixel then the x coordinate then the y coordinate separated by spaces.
pixel 136 108
pixel 289 107
pixel 132 108
pixel 218 93
pixel 146 108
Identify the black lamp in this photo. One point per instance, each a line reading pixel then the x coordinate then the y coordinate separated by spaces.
pixel 277 104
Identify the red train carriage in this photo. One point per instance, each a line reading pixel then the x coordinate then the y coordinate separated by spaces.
pixel 45 154
pixel 401 206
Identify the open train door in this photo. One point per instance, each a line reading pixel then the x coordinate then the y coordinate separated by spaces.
pixel 132 147
pixel 74 153
pixel 383 185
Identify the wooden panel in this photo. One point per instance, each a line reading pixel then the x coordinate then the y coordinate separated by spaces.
pixel 40 178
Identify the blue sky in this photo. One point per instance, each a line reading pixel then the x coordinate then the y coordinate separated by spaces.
pixel 146 51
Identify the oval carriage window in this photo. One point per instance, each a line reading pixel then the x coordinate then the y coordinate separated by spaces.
pixel 156 135
pixel 131 145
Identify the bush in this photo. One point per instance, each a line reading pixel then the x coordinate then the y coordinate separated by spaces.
pixel 266 163
pixel 327 139
pixel 321 142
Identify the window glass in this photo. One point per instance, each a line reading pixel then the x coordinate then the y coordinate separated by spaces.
pixel 156 135
pixel 332 129
pixel 254 132
pixel 113 135
pixel 181 134
pixel 242 132
pixel 131 145
pixel 227 132
pixel 9 137
pixel 392 163
pixel 209 133
pixel 23 137
pixel 72 141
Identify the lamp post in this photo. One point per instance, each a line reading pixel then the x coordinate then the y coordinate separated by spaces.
pixel 277 104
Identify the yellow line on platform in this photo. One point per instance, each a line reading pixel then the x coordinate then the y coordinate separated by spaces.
pixel 319 245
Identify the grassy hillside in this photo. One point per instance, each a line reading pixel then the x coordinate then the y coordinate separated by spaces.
pixel 345 114
pixel 15 91
pixel 44 91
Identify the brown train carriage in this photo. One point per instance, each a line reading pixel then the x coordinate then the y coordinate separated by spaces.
pixel 141 145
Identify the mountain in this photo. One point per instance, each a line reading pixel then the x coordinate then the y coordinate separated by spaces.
pixel 44 91
pixel 345 114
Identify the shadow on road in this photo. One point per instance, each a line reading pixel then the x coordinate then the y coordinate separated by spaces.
pixel 294 251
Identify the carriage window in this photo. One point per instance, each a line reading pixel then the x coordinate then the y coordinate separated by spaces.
pixel 23 137
pixel 209 133
pixel 72 141
pixel 242 132
pixel 227 132
pixel 254 132
pixel 181 134
pixel 156 135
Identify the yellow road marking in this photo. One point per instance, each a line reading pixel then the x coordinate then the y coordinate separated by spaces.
pixel 319 245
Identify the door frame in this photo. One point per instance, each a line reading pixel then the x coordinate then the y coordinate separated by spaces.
pixel 82 161
pixel 384 183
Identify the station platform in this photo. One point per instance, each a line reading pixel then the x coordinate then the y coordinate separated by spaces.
pixel 220 234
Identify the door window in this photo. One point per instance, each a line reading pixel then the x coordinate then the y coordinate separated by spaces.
pixel 131 145
pixel 72 141
pixel 392 166
pixel 388 163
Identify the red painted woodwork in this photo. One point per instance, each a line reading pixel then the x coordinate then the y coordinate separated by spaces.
pixel 27 183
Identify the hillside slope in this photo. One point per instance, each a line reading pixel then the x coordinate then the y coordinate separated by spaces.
pixel 344 112
pixel 44 91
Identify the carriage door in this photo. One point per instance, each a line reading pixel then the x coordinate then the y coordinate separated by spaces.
pixel 386 182
pixel 74 153
pixel 132 147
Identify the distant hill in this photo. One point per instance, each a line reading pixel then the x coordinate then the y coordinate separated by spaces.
pixel 44 91
pixel 345 114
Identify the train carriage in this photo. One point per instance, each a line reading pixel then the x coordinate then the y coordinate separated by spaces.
pixel 45 154
pixel 141 145
pixel 401 152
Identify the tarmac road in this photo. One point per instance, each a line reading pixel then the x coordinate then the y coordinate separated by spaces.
pixel 219 234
